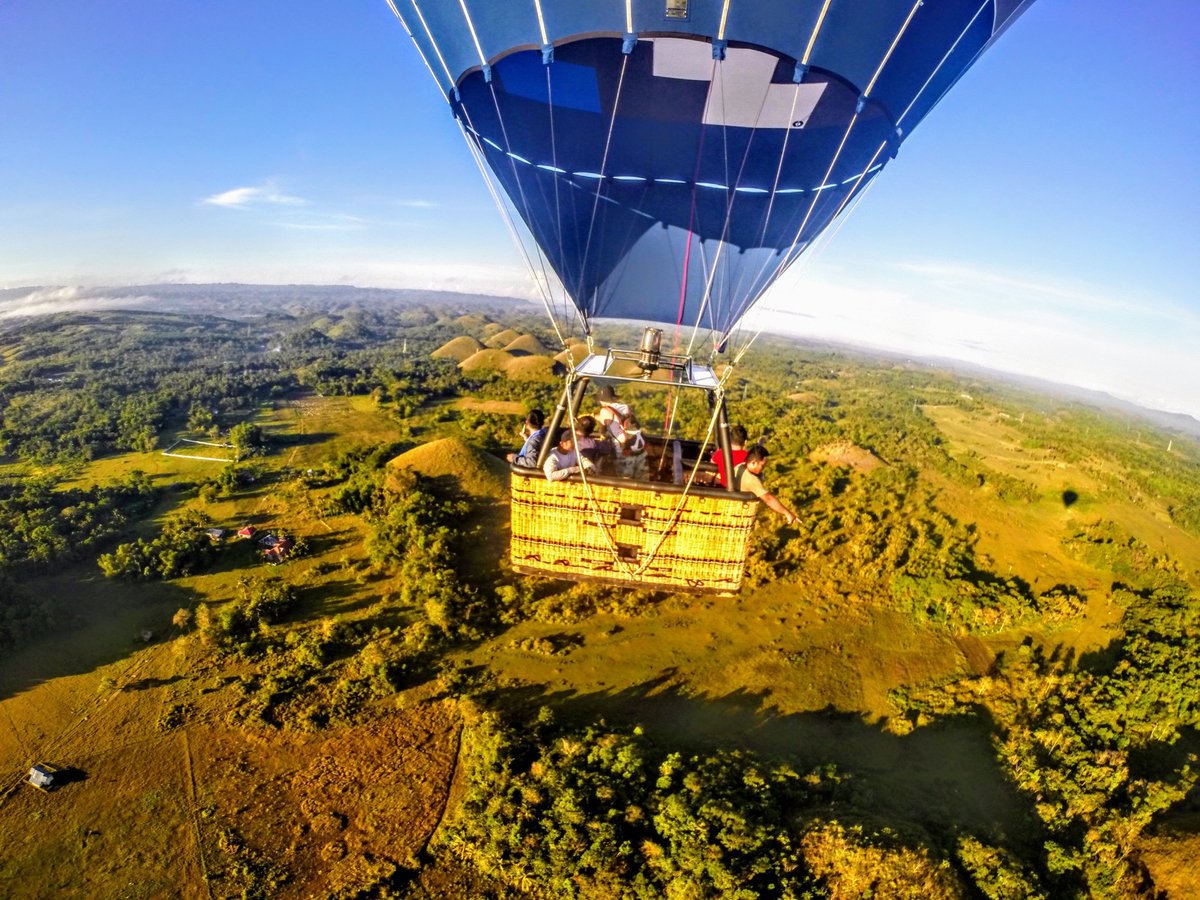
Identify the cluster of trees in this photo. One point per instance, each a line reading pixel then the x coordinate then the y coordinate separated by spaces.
pixel 77 387
pixel 414 531
pixel 596 811
pixel 884 536
pixel 259 603
pixel 183 547
pixel 1106 545
pixel 45 524
pixel 228 481
pixel 1101 746
pixel 307 678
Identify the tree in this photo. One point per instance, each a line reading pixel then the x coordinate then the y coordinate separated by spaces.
pixel 247 439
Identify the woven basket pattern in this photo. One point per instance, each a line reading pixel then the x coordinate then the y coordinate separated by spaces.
pixel 635 534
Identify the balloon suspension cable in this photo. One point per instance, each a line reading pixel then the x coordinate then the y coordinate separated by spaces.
pixel 731 189
pixel 711 273
pixel 987 4
pixel 671 403
pixel 854 193
pixel 823 242
pixel 467 128
pixel 537 271
pixel 783 262
pixel 506 215
pixel 603 173
pixel 524 202
pixel 554 162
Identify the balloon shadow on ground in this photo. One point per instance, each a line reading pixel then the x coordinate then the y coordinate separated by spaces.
pixel 943 776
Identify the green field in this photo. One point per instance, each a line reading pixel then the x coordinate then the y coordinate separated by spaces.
pixel 955 558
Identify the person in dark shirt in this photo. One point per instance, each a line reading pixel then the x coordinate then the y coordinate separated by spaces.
pixel 596 450
pixel 534 433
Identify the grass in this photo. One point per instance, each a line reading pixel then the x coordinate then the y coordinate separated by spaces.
pixel 799 669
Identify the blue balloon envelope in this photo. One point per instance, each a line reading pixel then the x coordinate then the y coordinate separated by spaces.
pixel 672 157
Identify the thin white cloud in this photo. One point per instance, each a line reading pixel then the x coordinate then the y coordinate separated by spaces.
pixel 45 301
pixel 1034 294
pixel 246 197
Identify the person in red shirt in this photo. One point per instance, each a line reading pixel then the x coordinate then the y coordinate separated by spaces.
pixel 737 438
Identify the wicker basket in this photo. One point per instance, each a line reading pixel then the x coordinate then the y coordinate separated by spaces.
pixel 630 532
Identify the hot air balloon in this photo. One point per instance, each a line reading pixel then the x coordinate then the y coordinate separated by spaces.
pixel 669 159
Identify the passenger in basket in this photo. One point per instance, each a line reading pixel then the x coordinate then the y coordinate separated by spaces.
pixel 737 438
pixel 625 433
pixel 631 458
pixel 612 413
pixel 563 460
pixel 746 478
pixel 596 450
pixel 534 433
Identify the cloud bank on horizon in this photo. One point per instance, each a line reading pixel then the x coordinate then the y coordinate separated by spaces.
pixel 1046 338
pixel 1136 349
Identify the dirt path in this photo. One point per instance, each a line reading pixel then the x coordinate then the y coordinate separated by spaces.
pixel 190 780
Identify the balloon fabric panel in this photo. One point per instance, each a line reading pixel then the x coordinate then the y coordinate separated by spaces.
pixel 671 166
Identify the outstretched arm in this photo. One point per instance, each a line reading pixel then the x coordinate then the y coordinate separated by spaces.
pixel 771 501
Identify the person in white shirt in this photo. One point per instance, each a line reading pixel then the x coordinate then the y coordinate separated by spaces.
pixel 563 461
pixel 625 432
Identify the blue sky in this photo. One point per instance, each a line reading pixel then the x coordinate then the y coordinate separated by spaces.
pixel 1043 219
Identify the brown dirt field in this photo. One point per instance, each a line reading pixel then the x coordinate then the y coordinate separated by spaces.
pixel 843 453
pixel 352 798
pixel 123 817
pixel 458 349
pixel 1171 859
pixel 186 813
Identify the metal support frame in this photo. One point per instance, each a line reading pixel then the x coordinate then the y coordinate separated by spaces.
pixel 723 441
pixel 556 420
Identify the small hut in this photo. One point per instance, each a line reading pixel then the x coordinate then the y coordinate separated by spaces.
pixel 42 776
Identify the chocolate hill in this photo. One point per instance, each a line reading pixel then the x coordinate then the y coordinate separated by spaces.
pixel 458 349
pixel 477 474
